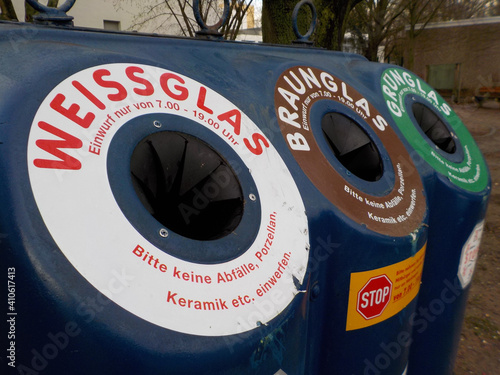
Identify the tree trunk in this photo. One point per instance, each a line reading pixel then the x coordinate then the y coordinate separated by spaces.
pixel 8 13
pixel 334 17
pixel 277 21
pixel 419 13
pixel 371 52
pixel 411 48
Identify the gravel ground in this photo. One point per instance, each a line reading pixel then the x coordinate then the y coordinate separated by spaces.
pixel 479 351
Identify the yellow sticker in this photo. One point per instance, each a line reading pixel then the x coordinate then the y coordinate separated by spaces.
pixel 376 295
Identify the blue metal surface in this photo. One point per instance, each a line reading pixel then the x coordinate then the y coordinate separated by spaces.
pixel 62 312
pixel 454 212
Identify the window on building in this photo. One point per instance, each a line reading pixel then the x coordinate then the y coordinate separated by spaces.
pixel 442 76
pixel 111 25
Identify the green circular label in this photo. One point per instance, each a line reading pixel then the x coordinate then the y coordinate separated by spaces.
pixel 471 173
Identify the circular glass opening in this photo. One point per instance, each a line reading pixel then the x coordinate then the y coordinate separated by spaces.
pixel 352 146
pixel 433 127
pixel 186 185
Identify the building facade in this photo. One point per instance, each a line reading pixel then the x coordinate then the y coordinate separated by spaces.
pixel 126 16
pixel 459 57
pixel 99 14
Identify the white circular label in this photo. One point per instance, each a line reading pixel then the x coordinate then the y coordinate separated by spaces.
pixel 67 162
pixel 469 255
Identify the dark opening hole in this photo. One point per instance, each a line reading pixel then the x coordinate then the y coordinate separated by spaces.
pixel 352 146
pixel 186 185
pixel 433 127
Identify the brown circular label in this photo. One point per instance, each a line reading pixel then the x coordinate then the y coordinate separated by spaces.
pixel 397 213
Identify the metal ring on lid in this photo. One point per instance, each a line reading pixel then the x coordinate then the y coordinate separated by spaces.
pixel 53 16
pixel 213 30
pixel 304 39
pixel 45 9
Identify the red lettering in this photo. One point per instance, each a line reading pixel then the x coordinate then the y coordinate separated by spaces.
pixel 241 301
pixel 138 251
pixel 201 100
pixel 77 85
pixel 235 122
pixel 71 112
pixel 171 297
pixel 258 139
pixel 121 91
pixel 182 92
pixel 53 147
pixel 177 273
pixel 148 87
pixel 151 260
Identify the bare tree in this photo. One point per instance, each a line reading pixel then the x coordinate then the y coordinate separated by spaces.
pixel 396 23
pixel 419 13
pixel 373 21
pixel 238 10
pixel 7 11
pixel 333 22
pixel 176 16
pixel 494 8
pixel 332 14
pixel 277 21
pixel 463 9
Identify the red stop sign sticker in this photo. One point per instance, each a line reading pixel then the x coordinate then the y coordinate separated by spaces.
pixel 374 297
